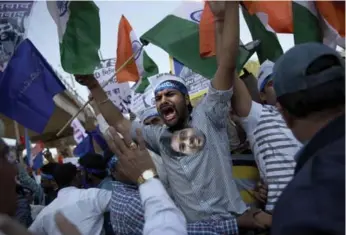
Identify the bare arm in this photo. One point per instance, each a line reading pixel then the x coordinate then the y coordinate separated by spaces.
pixel 241 99
pixel 227 41
pixel 109 111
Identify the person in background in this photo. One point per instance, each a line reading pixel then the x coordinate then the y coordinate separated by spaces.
pixel 48 183
pixel 26 180
pixel 272 142
pixel 94 173
pixel 309 81
pixel 265 83
pixel 23 211
pixel 150 116
pixel 48 156
pixel 83 207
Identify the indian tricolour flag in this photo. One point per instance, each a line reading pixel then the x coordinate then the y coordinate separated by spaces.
pixel 259 28
pixel 141 66
pixel 309 21
pixel 178 35
pixel 78 25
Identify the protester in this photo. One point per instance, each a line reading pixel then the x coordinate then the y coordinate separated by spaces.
pixel 8 172
pixel 83 207
pixel 23 211
pixel 94 173
pixel 48 183
pixel 211 166
pixel 271 141
pixel 150 116
pixel 309 81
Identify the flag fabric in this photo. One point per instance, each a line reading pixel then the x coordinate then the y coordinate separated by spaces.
pixel 178 35
pixel 309 21
pixel 78 25
pixel 333 14
pixel 141 66
pixel 206 33
pixel 306 24
pixel 36 159
pixel 259 28
pixel 278 14
pixel 84 147
pixel 27 88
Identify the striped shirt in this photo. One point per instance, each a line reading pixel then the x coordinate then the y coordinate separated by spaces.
pixel 274 147
pixel 201 184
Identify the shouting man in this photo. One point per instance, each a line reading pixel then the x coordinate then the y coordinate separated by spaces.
pixel 201 182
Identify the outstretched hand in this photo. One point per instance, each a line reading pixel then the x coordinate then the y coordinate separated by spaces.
pixel 218 9
pixel 133 159
pixel 86 80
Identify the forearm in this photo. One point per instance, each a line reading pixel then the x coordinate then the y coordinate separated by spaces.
pixel 228 51
pixel 109 111
pixel 218 38
pixel 241 99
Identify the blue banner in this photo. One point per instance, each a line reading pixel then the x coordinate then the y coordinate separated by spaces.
pixel 13 19
pixel 27 88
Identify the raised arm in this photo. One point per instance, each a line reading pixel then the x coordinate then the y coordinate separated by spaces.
pixel 227 42
pixel 114 117
pixel 109 111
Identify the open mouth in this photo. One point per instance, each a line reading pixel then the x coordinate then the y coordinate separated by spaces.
pixel 168 113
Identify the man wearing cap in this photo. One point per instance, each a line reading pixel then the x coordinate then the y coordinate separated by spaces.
pixel 265 83
pixel 202 184
pixel 272 142
pixel 311 98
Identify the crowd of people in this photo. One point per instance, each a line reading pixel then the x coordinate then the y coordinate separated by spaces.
pixel 269 160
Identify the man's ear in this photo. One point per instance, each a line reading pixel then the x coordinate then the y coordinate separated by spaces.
pixel 286 116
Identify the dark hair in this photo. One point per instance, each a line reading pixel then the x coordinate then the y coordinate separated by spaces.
pixel 64 174
pixel 49 168
pixel 327 96
pixel 96 162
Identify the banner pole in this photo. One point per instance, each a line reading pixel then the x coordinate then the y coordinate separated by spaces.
pixel 104 85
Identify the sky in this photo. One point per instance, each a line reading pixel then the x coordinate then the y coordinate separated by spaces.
pixel 142 15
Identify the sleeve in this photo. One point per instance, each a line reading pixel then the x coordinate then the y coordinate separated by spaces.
pixel 150 134
pixel 30 183
pixel 250 122
pixel 216 104
pixel 101 199
pixel 161 215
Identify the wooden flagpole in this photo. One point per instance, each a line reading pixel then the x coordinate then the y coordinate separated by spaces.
pixel 82 108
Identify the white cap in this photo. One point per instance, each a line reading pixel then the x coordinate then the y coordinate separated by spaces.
pixel 266 69
pixel 160 78
pixel 149 112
